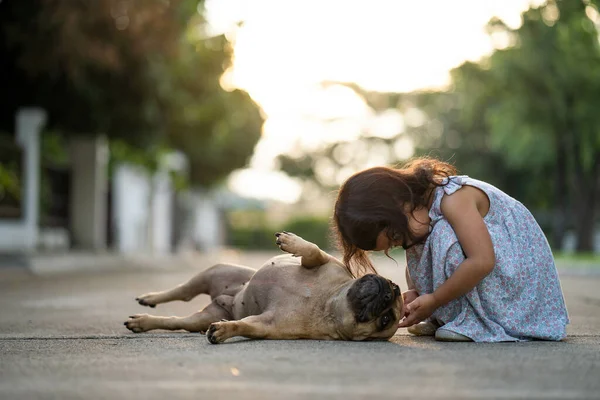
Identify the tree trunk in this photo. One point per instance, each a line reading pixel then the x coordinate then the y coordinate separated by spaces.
pixel 585 201
pixel 585 224
pixel 561 192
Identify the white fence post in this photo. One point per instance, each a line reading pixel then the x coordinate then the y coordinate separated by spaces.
pixel 29 123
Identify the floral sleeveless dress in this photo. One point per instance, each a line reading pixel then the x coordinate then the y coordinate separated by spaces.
pixel 521 299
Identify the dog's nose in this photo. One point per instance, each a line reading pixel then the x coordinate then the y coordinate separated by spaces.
pixel 387 297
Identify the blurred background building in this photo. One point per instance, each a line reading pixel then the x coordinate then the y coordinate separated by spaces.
pixel 159 126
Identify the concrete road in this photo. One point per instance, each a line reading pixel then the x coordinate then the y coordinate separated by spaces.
pixel 62 337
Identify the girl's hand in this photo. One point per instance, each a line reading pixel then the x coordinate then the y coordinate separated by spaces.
pixel 408 297
pixel 419 310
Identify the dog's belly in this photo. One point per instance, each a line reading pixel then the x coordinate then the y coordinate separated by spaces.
pixel 283 284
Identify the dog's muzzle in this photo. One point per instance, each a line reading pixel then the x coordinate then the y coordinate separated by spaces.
pixel 370 295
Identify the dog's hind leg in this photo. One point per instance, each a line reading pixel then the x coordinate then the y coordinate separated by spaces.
pixel 213 281
pixel 311 255
pixel 197 322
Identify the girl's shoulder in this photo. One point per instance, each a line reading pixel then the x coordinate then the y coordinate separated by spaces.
pixel 461 200
pixel 488 196
pixel 452 183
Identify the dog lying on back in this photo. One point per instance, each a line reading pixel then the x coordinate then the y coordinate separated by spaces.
pixel 306 294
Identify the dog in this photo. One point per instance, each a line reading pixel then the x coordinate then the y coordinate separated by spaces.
pixel 306 294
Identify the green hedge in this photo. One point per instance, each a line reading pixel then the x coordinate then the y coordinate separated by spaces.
pixel 256 238
pixel 313 229
pixel 262 237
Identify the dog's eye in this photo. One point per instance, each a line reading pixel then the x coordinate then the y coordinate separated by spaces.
pixel 385 320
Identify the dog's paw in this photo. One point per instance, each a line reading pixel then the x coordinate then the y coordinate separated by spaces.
pixel 290 243
pixel 139 323
pixel 218 332
pixel 148 299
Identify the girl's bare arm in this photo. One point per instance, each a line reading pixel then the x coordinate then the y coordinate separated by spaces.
pixel 465 210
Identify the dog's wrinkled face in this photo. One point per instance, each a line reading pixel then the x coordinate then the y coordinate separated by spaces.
pixel 377 307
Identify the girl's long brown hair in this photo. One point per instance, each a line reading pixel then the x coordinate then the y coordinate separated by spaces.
pixel 375 200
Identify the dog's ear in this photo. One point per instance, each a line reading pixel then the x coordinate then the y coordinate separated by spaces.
pixel 368 297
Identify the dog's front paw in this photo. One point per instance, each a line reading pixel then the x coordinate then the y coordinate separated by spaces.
pixel 290 243
pixel 218 332
pixel 148 299
pixel 139 323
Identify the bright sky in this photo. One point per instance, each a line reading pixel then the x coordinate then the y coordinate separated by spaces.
pixel 287 48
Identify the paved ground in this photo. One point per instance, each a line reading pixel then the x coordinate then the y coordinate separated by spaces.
pixel 62 337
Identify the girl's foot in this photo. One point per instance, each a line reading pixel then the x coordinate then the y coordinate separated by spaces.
pixel 444 335
pixel 425 328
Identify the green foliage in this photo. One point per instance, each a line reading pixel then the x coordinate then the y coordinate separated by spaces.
pixel 9 182
pixel 538 100
pixel 312 228
pixel 215 128
pixel 298 167
pixel 121 152
pixel 535 104
pixel 86 63
pixel 54 149
pixel 255 238
pixel 136 71
pixel 575 259
pixel 250 231
pixel 326 166
pixel 544 88
pixel 10 167
pixel 525 119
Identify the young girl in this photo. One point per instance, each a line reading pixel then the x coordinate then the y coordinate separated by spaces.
pixel 479 267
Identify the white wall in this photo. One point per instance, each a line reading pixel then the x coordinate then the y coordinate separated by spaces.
pixel 208 230
pixel 142 223
pixel 130 208
pixel 14 236
pixel 162 213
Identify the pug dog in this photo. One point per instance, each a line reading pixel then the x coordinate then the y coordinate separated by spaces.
pixel 306 294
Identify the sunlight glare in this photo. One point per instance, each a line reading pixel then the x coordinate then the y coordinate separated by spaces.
pixel 274 185
pixel 285 50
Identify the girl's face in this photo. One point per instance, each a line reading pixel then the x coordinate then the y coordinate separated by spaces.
pixel 418 223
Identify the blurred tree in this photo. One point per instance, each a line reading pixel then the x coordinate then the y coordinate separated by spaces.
pixel 86 63
pixel 438 127
pixel 330 165
pixel 433 126
pixel 130 69
pixel 216 129
pixel 539 100
pixel 524 119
